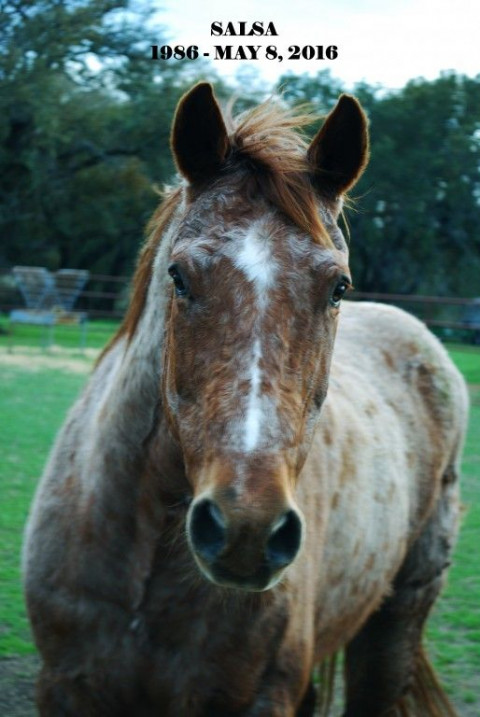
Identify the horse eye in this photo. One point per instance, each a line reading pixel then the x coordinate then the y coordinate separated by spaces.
pixel 178 282
pixel 339 292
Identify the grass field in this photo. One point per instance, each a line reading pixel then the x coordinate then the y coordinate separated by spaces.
pixel 38 387
pixel 66 336
pixel 454 628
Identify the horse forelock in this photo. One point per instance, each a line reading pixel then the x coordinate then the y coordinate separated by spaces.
pixel 269 139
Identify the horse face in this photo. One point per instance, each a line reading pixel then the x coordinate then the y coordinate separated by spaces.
pixel 252 321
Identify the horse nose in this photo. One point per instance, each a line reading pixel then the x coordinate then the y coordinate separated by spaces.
pixel 211 532
pixel 207 529
pixel 285 540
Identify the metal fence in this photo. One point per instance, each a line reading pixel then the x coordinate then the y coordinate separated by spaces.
pixel 447 315
pixel 102 296
pixel 106 297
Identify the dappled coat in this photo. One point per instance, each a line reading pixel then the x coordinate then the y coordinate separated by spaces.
pixel 253 479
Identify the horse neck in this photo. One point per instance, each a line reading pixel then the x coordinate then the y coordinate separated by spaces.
pixel 124 412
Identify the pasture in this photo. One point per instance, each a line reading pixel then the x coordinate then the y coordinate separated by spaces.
pixel 37 387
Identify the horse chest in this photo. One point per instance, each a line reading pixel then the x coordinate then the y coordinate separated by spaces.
pixel 196 650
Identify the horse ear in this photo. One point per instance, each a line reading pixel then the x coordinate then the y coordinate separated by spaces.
pixel 338 154
pixel 199 137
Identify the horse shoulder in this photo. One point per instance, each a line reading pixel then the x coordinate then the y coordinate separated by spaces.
pixel 55 524
pixel 390 426
pixel 410 371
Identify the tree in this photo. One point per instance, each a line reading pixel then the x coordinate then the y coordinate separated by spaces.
pixel 414 220
pixel 84 124
pixel 417 224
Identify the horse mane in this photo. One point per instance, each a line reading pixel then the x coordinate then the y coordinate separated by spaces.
pixel 143 272
pixel 269 153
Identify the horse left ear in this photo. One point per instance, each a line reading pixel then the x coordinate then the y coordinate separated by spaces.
pixel 199 137
pixel 338 154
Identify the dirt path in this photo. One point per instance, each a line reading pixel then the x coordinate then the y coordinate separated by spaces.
pixel 56 357
pixel 17 677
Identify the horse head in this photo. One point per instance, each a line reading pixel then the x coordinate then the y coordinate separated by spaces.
pixel 258 268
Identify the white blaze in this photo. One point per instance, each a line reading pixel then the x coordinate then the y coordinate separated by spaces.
pixel 254 407
pixel 256 262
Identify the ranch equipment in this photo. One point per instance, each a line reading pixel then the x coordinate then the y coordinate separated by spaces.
pixel 49 299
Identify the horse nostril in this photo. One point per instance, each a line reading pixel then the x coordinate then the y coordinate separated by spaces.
pixel 207 529
pixel 285 540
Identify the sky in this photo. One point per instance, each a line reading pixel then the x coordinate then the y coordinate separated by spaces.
pixel 384 42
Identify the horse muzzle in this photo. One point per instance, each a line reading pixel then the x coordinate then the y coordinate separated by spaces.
pixel 241 547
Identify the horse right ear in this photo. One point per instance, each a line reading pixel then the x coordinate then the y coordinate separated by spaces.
pixel 339 152
pixel 199 137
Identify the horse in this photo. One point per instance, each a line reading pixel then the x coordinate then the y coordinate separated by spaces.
pixel 254 479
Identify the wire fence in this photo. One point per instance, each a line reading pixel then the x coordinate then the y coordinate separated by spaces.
pixel 449 316
pixel 106 297
pixel 102 296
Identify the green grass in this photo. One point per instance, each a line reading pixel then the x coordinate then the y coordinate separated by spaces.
pixel 453 634
pixel 467 360
pixel 66 336
pixel 33 404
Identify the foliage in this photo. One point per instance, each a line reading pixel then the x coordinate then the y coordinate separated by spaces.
pixel 84 127
pixel 414 225
pixel 85 119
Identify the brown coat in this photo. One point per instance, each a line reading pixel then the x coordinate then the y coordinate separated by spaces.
pixel 213 521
